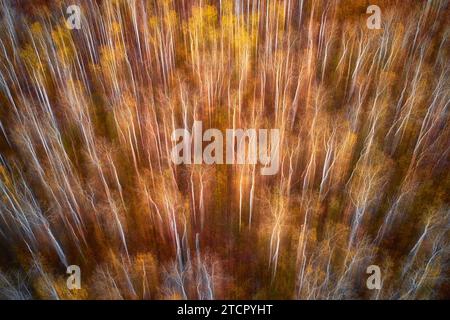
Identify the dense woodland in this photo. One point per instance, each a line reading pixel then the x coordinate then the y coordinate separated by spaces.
pixel 86 179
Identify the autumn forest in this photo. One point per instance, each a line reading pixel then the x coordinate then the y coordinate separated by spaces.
pixel 87 180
